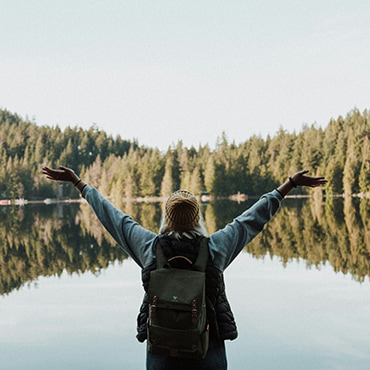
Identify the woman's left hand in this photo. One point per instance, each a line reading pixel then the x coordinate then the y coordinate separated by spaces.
pixel 301 179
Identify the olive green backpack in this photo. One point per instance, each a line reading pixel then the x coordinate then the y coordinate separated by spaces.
pixel 177 324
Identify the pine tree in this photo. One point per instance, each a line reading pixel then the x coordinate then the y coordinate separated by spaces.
pixel 210 175
pixel 147 185
pixel 196 181
pixel 168 186
pixel 350 167
pixel 364 177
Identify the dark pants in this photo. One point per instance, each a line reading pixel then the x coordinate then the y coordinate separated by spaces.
pixel 214 360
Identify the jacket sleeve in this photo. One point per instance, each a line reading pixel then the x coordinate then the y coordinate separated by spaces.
pixel 227 243
pixel 136 241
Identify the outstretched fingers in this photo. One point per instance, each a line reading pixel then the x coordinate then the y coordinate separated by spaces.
pixel 50 173
pixel 316 181
pixel 64 174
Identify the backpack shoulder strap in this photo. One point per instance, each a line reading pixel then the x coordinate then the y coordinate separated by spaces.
pixel 161 259
pixel 202 259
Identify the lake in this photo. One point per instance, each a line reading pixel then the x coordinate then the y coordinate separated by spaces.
pixel 300 291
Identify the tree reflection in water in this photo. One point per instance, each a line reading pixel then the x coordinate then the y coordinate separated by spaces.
pixel 46 240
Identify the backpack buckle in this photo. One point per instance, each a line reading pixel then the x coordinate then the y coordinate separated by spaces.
pixel 194 312
pixel 154 306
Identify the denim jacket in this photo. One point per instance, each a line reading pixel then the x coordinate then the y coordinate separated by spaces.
pixel 224 245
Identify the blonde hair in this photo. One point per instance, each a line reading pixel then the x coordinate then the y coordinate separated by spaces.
pixel 198 230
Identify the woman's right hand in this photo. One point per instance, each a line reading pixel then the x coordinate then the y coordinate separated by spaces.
pixel 64 174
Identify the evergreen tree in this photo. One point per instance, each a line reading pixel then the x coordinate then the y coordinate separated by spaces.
pixel 210 176
pixel 168 184
pixel 350 167
pixel 196 182
pixel 364 177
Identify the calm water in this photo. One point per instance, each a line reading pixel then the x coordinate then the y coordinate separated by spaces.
pixel 300 291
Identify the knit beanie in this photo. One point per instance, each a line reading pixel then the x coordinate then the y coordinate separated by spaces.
pixel 182 211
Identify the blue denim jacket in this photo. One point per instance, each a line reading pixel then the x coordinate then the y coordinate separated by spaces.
pixel 224 245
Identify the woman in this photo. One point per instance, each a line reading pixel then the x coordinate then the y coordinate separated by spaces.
pixel 180 234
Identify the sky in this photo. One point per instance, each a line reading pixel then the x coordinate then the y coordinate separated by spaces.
pixel 164 71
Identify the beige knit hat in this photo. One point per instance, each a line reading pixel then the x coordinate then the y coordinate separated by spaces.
pixel 182 211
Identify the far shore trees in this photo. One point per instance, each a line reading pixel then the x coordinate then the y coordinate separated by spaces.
pixel 122 169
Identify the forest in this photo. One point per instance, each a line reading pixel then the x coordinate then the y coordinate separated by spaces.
pixel 123 169
pixel 66 237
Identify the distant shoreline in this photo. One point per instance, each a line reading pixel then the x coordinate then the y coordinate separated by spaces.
pixel 203 199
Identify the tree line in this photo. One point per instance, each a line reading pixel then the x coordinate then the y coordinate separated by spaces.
pixel 122 168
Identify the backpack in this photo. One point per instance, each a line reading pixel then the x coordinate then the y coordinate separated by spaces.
pixel 177 323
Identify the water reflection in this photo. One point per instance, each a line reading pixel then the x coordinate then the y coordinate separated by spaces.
pixel 336 232
pixel 46 240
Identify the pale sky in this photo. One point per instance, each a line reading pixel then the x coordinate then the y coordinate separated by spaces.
pixel 163 71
